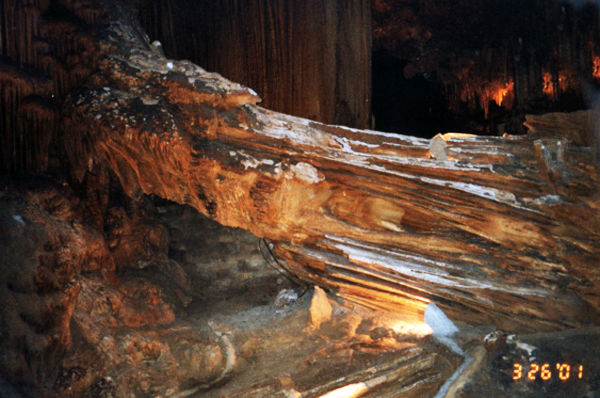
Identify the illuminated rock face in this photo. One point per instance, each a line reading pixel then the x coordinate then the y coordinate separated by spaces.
pixel 485 227
pixel 486 231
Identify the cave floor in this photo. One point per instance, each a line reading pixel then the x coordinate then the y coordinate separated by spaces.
pixel 358 352
pixel 291 342
pixel 202 310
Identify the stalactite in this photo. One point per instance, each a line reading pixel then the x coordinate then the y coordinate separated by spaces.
pixel 22 96
pixel 49 54
pixel 87 10
pixel 515 52
pixel 171 29
pixel 21 22
pixel 78 75
pixel 309 59
pixel 38 119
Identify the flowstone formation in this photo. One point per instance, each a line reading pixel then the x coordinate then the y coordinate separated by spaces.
pixel 495 230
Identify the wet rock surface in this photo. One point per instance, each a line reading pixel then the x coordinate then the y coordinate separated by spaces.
pixel 79 325
pixel 207 316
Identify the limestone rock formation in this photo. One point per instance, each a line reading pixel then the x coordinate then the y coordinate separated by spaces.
pixel 493 230
pixel 497 230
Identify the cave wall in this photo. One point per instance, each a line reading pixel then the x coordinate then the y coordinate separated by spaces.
pixel 466 65
pixel 46 50
pixel 494 59
pixel 305 58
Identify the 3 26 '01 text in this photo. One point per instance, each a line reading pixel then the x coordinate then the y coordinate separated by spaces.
pixel 546 372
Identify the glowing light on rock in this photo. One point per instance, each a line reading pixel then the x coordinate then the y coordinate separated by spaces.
pixel 449 136
pixel 596 68
pixel 349 391
pixel 556 84
pixel 406 325
pixel 356 389
pixel 549 89
pixel 503 94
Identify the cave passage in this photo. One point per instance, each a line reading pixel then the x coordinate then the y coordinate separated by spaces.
pixel 414 106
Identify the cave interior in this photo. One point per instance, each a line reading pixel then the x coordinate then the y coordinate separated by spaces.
pixel 160 239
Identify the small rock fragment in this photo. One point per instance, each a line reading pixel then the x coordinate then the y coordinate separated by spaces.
pixel 320 309
pixel 495 341
pixel 438 147
pixel 285 297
